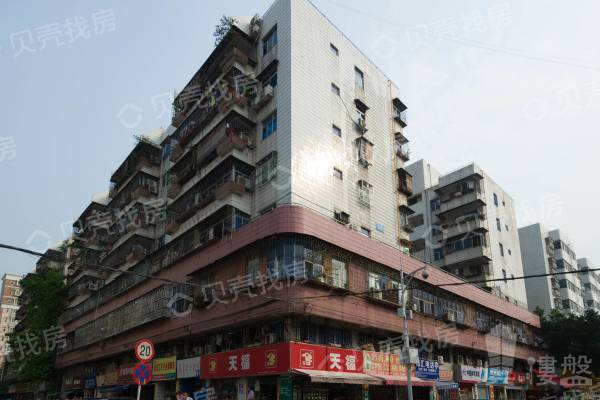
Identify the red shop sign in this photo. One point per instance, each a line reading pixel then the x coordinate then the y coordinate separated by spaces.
pixel 264 360
pixel 313 357
pixel 517 378
pixel 124 374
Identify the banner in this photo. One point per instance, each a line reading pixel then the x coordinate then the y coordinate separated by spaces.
pixel 188 368
pixel 497 376
pixel 264 360
pixel 468 374
pixel 428 369
pixel 517 378
pixel 325 358
pixel 164 369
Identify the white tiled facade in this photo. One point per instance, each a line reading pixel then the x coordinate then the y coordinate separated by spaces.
pixel 546 252
pixel 444 215
pixel 591 285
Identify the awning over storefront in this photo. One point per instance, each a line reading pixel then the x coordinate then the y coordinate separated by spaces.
pixel 446 385
pixel 114 388
pixel 339 377
pixel 401 380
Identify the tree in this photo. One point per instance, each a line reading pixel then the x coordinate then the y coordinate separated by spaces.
pixel 34 347
pixel 566 335
pixel 222 28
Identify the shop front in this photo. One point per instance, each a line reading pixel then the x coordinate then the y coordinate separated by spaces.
pixel 238 373
pixel 72 384
pixel 188 375
pixel 497 380
pixel 164 378
pixel 517 386
pixel 445 387
pixel 472 382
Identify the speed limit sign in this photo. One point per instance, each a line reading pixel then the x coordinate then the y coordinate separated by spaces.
pixel 144 350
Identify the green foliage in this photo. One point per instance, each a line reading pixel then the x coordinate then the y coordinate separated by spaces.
pixel 45 295
pixel 222 28
pixel 573 335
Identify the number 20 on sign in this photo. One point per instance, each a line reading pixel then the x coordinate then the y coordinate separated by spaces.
pixel 144 350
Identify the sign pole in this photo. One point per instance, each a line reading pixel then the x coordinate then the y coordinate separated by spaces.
pixel 139 392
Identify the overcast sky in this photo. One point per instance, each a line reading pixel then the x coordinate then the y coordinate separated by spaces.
pixel 511 85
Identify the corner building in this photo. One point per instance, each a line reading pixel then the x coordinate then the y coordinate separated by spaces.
pixel 282 195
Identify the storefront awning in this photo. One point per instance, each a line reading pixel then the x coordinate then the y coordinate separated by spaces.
pixel 398 380
pixel 114 388
pixel 446 385
pixel 339 377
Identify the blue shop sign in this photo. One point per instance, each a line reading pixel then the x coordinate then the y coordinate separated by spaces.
pixel 428 369
pixel 497 376
pixel 90 382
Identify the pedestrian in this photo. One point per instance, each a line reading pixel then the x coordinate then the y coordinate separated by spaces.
pixel 186 396
pixel 250 395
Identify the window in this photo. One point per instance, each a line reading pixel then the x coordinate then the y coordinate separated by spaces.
pixel 438 254
pixel 363 193
pixel 365 231
pixel 498 225
pixel 266 169
pixel 335 89
pixel 339 273
pixel 501 250
pixel 496 199
pixel 270 40
pixel 435 204
pixel 269 125
pixel 252 269
pixel 271 80
pixel 416 220
pixel 509 252
pixel 338 174
pixel 336 130
pixel 423 301
pixel 506 227
pixel 414 200
pixel 365 151
pixel 359 79
pixel 334 49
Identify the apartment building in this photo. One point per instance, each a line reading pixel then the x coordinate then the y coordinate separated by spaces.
pixel 546 252
pixel 276 232
pixel 465 223
pixel 591 284
pixel 9 304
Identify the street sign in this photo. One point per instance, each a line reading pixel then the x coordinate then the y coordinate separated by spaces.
pixel 142 373
pixel 144 350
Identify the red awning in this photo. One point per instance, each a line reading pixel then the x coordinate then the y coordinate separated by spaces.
pixel 339 377
pixel 401 380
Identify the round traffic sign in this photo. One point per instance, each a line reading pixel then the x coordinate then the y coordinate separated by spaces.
pixel 142 373
pixel 144 350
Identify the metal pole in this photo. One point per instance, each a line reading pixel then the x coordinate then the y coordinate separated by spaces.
pixel 406 338
pixel 139 392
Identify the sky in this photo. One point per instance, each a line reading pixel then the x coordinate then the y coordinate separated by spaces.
pixel 511 85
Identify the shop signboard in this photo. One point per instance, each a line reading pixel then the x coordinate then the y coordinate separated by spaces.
pixel 71 383
pixel 446 373
pixel 376 362
pixel 468 374
pixel 285 388
pixel 124 374
pixel 497 376
pixel 325 358
pixel 90 382
pixel 164 369
pixel 397 368
pixel 263 360
pixel 428 369
pixel 517 378
pixel 188 368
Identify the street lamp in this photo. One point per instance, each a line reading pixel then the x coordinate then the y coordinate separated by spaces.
pixel 402 312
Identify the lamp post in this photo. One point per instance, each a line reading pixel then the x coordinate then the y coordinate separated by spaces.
pixel 402 312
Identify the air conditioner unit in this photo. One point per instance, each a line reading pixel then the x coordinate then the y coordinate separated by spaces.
pixel 270 338
pixel 314 270
pixel 450 316
pixel 440 359
pixel 376 293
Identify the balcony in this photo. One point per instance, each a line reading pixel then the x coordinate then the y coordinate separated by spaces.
pixel 403 152
pixel 459 199
pixel 235 56
pixel 471 223
pixel 233 140
pixel 263 97
pixel 405 182
pixel 176 152
pixel 172 227
pixel 469 256
pixel 399 112
pixel 144 155
pixel 174 190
